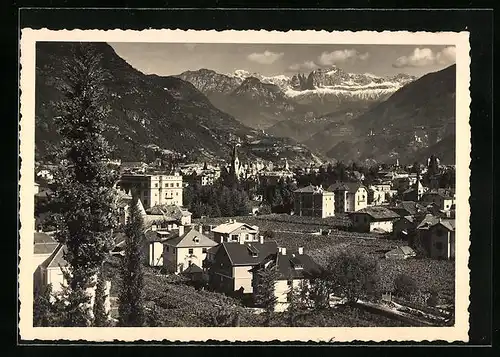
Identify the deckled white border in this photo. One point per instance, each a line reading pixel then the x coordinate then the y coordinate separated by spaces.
pixel 318 334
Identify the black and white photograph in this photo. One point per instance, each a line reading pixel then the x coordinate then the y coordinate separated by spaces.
pixel 269 181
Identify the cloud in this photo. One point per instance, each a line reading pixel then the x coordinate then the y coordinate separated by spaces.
pixel 305 66
pixel 341 56
pixel 266 57
pixel 422 57
pixel 447 55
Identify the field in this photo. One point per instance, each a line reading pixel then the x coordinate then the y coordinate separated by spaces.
pixel 294 231
pixel 181 305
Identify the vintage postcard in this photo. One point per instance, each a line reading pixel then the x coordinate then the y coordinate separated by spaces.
pixel 244 186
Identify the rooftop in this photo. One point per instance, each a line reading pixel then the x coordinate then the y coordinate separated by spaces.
pixel 288 263
pixel 191 238
pixel 378 212
pixel 346 186
pixel 430 221
pixel 249 253
pixel 229 227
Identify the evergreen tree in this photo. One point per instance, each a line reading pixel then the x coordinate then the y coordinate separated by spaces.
pixel 101 316
pixel 43 314
pixel 264 294
pixel 296 303
pixel 84 191
pixel 354 275
pixel 131 300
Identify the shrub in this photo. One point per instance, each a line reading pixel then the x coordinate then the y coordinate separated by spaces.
pixel 405 286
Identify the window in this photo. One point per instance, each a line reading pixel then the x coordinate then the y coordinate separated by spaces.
pixel 177 193
pixel 166 185
pixel 145 201
pixel 190 251
pixel 204 250
pixel 189 263
pixel 145 193
pixel 171 185
pixel 177 184
pixel 246 237
pixel 234 237
pixel 156 185
pixel 166 248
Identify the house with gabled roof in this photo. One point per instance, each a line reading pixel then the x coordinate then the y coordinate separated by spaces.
pixel 407 208
pixel 50 271
pixel 314 201
pixel 44 245
pixel 442 198
pixel 233 231
pixel 229 264
pixel 373 219
pixel 295 269
pixel 171 213
pixel 437 236
pixel 349 196
pixel 186 249
pixel 400 253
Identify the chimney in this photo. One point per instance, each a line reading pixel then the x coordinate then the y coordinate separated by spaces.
pixel 283 251
pixel 301 250
pixel 154 228
pixel 261 239
pixel 200 229
pixel 169 227
pixel 181 230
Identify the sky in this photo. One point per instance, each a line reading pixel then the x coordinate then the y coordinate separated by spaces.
pixel 270 59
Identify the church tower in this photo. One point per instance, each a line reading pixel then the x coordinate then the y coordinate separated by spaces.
pixel 235 163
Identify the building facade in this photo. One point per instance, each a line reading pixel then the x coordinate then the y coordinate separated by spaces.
pixel 155 189
pixel 313 201
pixel 349 196
pixel 233 231
pixel 186 248
pixel 374 219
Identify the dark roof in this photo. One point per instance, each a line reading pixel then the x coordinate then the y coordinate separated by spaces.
pixel 40 237
pixel 401 251
pixel 241 254
pixel 44 248
pixel 192 269
pixel 56 259
pixel 292 265
pixel 440 192
pixel 378 212
pixel 411 207
pixel 158 236
pixel 431 221
pixel 189 239
pixel 346 186
pixel 168 211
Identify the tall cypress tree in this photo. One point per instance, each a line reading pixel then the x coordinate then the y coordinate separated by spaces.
pixel 84 190
pixel 101 316
pixel 131 300
pixel 264 293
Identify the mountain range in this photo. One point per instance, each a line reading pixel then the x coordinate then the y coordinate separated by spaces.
pixel 326 114
pixel 151 114
pixel 416 121
pixel 343 115
pixel 263 101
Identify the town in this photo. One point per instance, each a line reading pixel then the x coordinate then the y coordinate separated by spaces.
pixel 212 232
